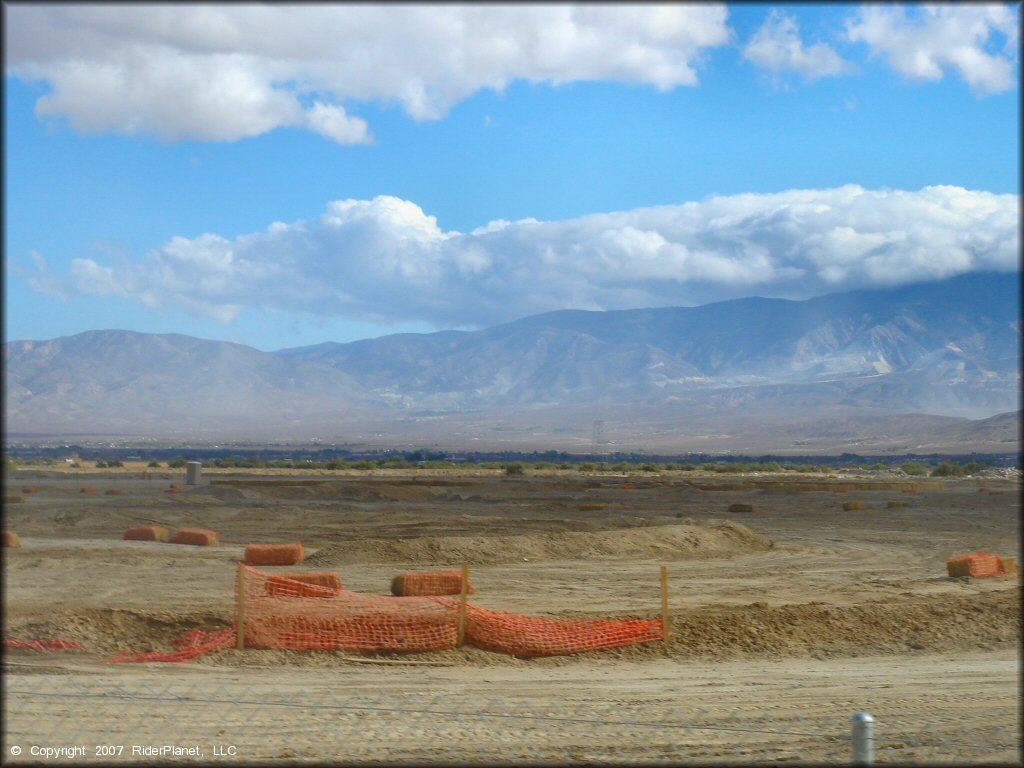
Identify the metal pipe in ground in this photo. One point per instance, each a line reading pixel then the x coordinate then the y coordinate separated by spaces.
pixel 863 739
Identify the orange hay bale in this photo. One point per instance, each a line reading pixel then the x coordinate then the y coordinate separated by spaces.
pixel 892 504
pixel 14 499
pixel 849 506
pixel 740 508
pixel 979 565
pixel 311 584
pixel 591 507
pixel 146 533
pixel 10 539
pixel 274 554
pixel 30 489
pixel 418 583
pixel 173 488
pixel 88 489
pixel 113 492
pixel 201 537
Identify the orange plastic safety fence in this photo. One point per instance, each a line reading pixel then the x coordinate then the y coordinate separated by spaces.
pixel 189 646
pixel 350 621
pixel 521 635
pixel 344 620
pixel 36 644
pixel 322 584
pixel 976 564
pixel 273 616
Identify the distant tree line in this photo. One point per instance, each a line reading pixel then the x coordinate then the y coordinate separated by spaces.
pixel 949 468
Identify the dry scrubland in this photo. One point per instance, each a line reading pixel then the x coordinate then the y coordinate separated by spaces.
pixel 788 614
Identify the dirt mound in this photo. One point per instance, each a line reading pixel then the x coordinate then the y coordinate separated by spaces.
pixel 816 630
pixel 934 624
pixel 917 624
pixel 108 631
pixel 323 490
pixel 690 541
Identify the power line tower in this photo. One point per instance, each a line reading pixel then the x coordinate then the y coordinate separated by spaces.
pixel 597 443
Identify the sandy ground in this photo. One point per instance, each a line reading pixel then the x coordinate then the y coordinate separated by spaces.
pixel 786 620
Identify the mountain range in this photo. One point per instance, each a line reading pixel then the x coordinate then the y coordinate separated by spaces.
pixel 936 354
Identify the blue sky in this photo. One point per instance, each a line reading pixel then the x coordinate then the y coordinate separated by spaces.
pixel 286 175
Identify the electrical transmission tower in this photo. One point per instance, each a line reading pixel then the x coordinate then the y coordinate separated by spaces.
pixel 597 443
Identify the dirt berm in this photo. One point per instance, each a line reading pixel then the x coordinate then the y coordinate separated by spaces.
pixel 693 540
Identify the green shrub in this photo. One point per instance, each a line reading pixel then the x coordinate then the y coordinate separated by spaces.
pixel 914 468
pixel 949 469
pixel 515 469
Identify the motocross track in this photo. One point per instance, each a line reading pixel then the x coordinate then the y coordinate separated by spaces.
pixel 786 619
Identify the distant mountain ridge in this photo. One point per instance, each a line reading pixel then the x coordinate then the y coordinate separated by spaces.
pixel 949 348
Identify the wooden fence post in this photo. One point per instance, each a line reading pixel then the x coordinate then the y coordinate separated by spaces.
pixel 666 632
pixel 462 604
pixel 240 598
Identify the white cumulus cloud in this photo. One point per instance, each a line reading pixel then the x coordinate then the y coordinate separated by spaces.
pixel 226 72
pixel 926 43
pixel 386 260
pixel 777 47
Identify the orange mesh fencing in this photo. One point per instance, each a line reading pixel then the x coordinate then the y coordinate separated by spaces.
pixel 346 621
pixel 313 584
pixel 30 489
pixel 521 635
pixel 10 539
pixel 146 533
pixel 418 583
pixel 113 492
pixel 980 565
pixel 42 646
pixel 189 646
pixel 199 536
pixel 274 554
pixel 88 489
pixel 350 621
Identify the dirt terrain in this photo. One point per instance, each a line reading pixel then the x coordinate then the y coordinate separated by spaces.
pixel 786 619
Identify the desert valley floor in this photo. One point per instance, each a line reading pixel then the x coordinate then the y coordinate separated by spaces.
pixel 786 619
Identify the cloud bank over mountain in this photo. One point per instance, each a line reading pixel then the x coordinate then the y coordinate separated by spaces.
pixel 387 260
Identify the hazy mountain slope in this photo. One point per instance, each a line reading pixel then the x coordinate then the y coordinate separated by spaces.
pixel 120 381
pixel 951 349
pixel 960 337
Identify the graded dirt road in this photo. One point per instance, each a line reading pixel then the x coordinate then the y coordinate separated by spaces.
pixel 786 619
